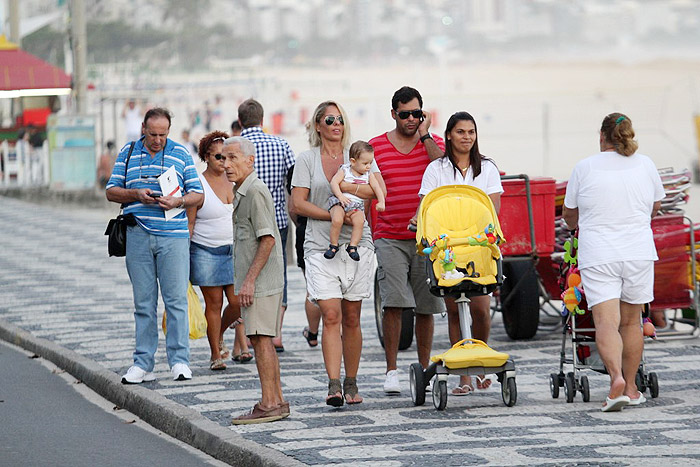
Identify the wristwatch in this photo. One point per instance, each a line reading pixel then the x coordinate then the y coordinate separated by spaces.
pixel 424 137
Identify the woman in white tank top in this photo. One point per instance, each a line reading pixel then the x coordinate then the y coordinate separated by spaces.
pixel 211 253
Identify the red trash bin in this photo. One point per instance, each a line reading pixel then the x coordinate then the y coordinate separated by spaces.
pixel 515 221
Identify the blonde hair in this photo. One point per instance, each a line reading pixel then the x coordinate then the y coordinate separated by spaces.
pixel 314 136
pixel 617 130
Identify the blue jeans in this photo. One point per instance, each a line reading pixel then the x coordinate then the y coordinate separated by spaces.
pixel 153 260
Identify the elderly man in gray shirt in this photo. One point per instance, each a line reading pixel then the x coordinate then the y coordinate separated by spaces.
pixel 258 274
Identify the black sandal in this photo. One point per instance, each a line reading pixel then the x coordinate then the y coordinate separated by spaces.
pixel 352 252
pixel 310 337
pixel 350 389
pixel 331 251
pixel 334 398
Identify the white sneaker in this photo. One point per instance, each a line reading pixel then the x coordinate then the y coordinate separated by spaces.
pixel 181 372
pixel 136 375
pixel 429 387
pixel 391 384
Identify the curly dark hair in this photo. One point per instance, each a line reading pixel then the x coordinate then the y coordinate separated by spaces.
pixel 207 140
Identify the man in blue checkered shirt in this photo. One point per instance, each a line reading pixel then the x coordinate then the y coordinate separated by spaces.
pixel 273 159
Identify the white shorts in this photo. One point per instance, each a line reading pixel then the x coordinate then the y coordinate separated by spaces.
pixel 340 277
pixel 630 281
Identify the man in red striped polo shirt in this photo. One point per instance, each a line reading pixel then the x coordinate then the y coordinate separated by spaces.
pixel 402 155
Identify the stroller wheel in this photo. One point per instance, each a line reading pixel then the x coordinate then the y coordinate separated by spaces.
pixel 554 385
pixel 639 380
pixel 585 389
pixel 417 383
pixel 653 385
pixel 509 392
pixel 570 387
pixel 440 394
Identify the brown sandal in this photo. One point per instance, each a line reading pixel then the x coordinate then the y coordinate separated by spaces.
pixel 223 350
pixel 217 365
pixel 350 389
pixel 335 397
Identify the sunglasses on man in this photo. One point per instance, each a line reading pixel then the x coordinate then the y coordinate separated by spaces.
pixel 330 119
pixel 404 114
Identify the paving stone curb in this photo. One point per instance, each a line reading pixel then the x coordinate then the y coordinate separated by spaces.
pixel 178 421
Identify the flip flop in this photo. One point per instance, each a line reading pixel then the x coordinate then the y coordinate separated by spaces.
pixel 638 401
pixel 463 390
pixel 483 383
pixel 616 404
pixel 243 357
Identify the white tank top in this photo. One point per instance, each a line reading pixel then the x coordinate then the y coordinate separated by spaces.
pixel 213 226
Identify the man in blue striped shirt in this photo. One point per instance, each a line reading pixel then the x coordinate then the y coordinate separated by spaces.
pixel 157 248
pixel 273 159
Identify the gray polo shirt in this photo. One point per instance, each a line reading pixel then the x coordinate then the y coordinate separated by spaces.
pixel 254 217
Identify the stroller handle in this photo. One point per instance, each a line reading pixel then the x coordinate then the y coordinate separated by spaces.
pixel 473 341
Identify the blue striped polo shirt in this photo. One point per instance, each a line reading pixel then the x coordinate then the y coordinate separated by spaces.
pixel 143 172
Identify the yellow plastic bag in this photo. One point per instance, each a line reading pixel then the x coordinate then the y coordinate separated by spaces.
pixel 475 353
pixel 198 322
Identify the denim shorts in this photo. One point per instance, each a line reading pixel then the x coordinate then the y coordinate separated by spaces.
pixel 210 267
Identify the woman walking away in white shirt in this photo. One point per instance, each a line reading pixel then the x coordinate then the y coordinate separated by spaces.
pixel 611 198
pixel 463 164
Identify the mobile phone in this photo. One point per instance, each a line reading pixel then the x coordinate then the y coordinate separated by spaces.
pixel 422 118
pixel 153 195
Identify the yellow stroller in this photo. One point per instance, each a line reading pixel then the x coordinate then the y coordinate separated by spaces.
pixel 458 230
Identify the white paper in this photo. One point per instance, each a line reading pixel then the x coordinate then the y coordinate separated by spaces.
pixel 169 186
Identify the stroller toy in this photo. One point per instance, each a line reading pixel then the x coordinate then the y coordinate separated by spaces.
pixel 440 243
pixel 483 239
pixel 572 296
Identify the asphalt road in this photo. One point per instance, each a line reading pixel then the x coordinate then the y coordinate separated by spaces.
pixel 50 418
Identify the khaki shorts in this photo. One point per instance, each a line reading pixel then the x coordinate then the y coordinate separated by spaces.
pixel 263 317
pixel 402 277
pixel 630 281
pixel 340 277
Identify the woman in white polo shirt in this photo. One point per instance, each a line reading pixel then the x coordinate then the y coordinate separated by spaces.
pixel 463 164
pixel 611 197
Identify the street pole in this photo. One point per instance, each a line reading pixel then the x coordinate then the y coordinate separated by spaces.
pixel 79 55
pixel 15 34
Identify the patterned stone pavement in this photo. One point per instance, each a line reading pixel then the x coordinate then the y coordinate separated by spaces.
pixel 57 282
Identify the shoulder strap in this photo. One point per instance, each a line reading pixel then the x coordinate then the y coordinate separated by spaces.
pixel 126 165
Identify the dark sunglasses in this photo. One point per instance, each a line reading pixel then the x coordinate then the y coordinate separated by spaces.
pixel 403 115
pixel 332 118
pixel 218 157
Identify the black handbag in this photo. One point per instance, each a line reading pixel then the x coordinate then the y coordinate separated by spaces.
pixel 116 229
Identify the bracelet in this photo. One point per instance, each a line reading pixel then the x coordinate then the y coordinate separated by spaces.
pixel 424 137
pixel 182 205
pixel 357 189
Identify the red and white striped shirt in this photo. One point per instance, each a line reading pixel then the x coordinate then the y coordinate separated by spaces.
pixel 402 175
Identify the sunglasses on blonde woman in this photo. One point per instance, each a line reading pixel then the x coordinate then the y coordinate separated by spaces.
pixel 330 119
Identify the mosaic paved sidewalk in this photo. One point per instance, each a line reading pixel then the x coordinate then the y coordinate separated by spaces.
pixel 57 282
